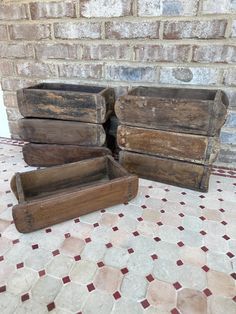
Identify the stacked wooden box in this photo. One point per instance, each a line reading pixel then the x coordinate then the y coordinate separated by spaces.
pixel 64 123
pixel 171 135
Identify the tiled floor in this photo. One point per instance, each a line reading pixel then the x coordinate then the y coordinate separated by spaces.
pixel 169 250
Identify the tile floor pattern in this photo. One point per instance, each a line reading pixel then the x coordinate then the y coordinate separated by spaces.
pixel 170 250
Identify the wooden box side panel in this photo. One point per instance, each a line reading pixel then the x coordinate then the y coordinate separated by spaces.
pixel 193 148
pixel 61 132
pixel 62 105
pixel 168 171
pixel 33 216
pixel 45 155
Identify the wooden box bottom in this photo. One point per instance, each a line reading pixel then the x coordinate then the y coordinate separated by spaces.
pixel 175 172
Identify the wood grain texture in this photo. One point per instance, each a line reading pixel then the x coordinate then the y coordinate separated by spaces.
pixel 61 132
pixel 175 172
pixel 66 102
pixel 200 112
pixel 59 193
pixel 45 155
pixel 181 146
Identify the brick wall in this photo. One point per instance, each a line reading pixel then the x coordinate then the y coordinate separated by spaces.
pixel 121 43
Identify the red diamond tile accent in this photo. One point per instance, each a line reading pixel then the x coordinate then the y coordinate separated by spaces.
pixel 205 268
pixel 181 228
pixel 181 215
pixel 96 224
pixel 164 200
pixel 177 285
pixel 150 278
pixel 157 239
pixel 174 311
pixel 115 228
pixel 233 275
pixel 202 207
pixel 182 203
pixel 222 210
pixel 1 258
pixel 90 287
pixel 183 193
pixel 159 223
pixel 41 273
pixel 224 223
pixel 3 289
pixel 204 248
pixel 35 246
pixel 202 218
pixel 203 232
pixel 48 230
pixel 108 245
pixel 135 233
pixel 167 190
pixel 230 254
pixel 100 264
pixel 126 203
pixel 144 206
pixel 154 256
pixel 67 235
pixel 145 303
pixel 202 196
pixel 130 251
pixel 140 219
pixel 76 220
pixel 20 265
pixel 103 211
pixel 150 187
pixel 180 244
pixel 15 241
pixel 124 270
pixel 117 295
pixel 162 211
pixel 147 196
pixel 56 252
pixel 66 279
pixel 87 240
pixel 226 237
pixel 77 258
pixel 25 297
pixel 207 292
pixel 121 215
pixel 220 199
pixel 51 306
pixel 179 262
pixel 219 190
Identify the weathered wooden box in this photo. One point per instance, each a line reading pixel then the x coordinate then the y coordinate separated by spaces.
pixel 169 171
pixel 45 155
pixel 180 146
pixel 193 111
pixel 48 131
pixel 66 102
pixel 53 195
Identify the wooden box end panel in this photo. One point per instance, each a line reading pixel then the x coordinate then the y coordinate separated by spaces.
pixel 174 172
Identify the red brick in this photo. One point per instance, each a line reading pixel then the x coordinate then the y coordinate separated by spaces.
pixel 230 77
pixel 41 10
pixel 18 50
pixel 6 68
pixel 77 30
pixel 57 51
pixel 33 69
pixel 162 53
pixel 81 71
pixel 103 8
pixel 13 11
pixel 106 52
pixel 233 32
pixel 215 7
pixel 195 29
pixel 10 100
pixel 214 54
pixel 128 73
pixel 128 30
pixel 13 84
pixel 30 31
pixel 3 32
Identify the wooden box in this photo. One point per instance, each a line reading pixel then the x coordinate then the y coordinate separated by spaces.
pixel 45 155
pixel 195 111
pixel 66 102
pixel 47 131
pixel 176 172
pixel 53 195
pixel 181 146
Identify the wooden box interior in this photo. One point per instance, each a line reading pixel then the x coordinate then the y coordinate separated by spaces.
pixel 69 87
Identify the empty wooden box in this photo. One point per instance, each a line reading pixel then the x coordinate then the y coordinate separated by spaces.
pixel 82 103
pixel 59 193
